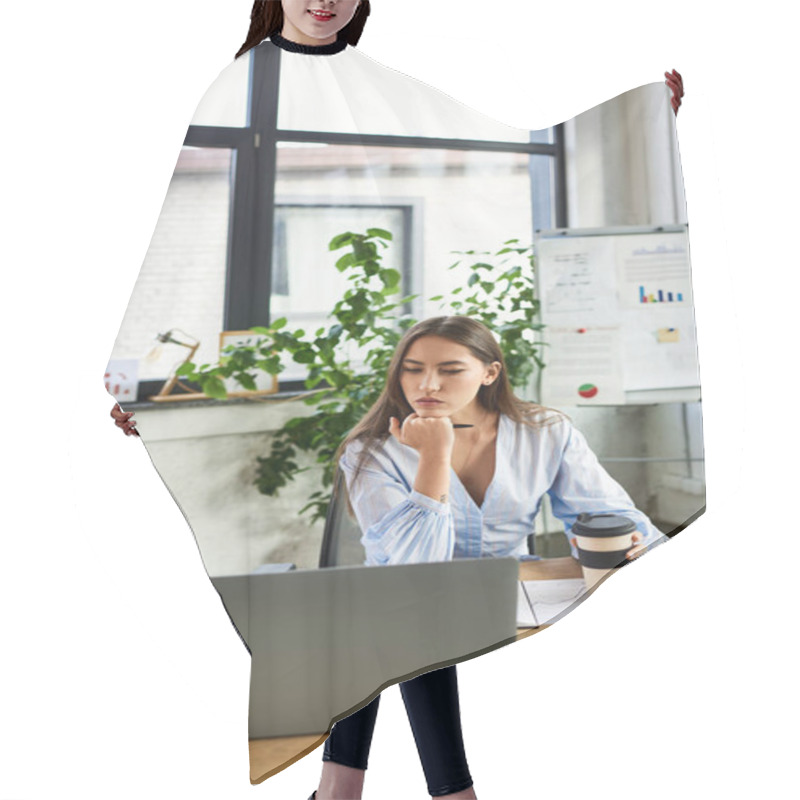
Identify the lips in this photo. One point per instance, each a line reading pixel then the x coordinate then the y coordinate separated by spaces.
pixel 322 16
pixel 428 401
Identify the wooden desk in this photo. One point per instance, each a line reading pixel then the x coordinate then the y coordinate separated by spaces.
pixel 270 756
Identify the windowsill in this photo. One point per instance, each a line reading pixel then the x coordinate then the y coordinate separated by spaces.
pixel 204 402
pixel 207 417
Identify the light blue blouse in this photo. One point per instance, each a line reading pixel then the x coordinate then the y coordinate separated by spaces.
pixel 402 526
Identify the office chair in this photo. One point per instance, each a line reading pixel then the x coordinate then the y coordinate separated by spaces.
pixel 341 539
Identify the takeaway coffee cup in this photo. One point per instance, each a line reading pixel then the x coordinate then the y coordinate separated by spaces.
pixel 603 540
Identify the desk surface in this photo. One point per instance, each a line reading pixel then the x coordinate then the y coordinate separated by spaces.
pixel 270 756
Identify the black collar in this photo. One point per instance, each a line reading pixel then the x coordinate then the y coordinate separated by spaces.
pixel 308 49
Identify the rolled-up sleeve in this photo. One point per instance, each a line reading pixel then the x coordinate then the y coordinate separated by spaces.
pixel 582 486
pixel 399 524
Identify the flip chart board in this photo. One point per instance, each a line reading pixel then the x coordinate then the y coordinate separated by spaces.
pixel 618 311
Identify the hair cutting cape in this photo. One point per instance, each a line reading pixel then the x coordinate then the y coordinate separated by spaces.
pixel 292 147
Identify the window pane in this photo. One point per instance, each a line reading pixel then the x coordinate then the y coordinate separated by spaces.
pixel 456 201
pixel 182 281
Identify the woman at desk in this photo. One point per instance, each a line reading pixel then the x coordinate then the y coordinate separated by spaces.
pixel 449 463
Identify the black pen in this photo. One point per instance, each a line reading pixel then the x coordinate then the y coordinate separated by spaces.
pixel 457 425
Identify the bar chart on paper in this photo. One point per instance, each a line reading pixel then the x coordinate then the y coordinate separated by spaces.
pixel 654 270
pixel 659 296
pixel 655 281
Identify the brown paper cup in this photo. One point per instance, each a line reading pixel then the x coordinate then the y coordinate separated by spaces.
pixel 603 541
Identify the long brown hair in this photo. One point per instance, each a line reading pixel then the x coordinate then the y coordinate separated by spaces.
pixel 266 19
pixel 496 397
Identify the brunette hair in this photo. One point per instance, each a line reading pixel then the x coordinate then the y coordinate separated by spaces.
pixel 497 396
pixel 266 19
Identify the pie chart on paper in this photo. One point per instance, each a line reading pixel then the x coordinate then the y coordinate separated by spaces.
pixel 587 390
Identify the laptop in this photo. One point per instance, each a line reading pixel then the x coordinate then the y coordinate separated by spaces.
pixel 326 641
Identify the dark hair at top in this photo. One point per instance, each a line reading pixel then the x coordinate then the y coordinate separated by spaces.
pixel 266 19
pixel 497 396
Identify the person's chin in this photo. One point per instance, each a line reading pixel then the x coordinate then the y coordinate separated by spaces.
pixel 432 411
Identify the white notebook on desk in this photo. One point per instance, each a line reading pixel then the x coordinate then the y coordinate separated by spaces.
pixel 542 602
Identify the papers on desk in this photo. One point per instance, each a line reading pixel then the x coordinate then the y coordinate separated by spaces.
pixel 540 602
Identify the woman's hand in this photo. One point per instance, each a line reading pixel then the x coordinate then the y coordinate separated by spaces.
pixel 124 420
pixel 675 83
pixel 432 438
pixel 429 436
pixel 637 548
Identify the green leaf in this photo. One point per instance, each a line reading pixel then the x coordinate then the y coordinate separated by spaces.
pixel 185 369
pixel 279 323
pixel 390 278
pixel 214 387
pixel 305 356
pixel 347 260
pixel 364 250
pixel 380 233
pixel 247 381
pixel 341 240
